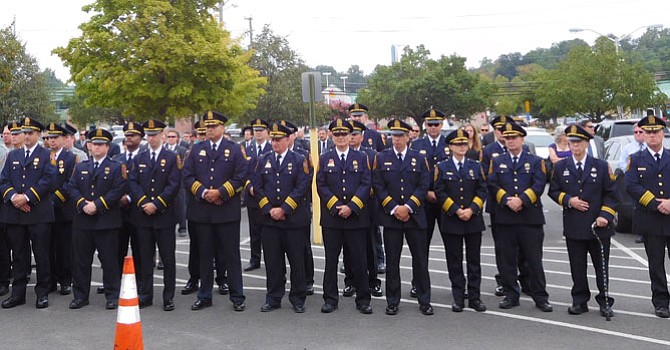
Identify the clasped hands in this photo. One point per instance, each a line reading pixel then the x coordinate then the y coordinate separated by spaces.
pixel 20 201
pixel 213 196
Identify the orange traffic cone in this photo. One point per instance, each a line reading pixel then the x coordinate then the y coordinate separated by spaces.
pixel 128 324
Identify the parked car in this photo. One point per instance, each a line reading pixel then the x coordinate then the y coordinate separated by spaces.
pixel 541 139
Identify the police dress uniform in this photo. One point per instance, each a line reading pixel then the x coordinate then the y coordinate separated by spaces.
pixel 103 182
pixel 156 178
pixel 460 184
pixel 283 186
pixel 371 138
pixel 344 179
pixel 520 231
pixel 589 179
pixel 219 165
pixel 403 182
pixel 647 183
pixel 61 229
pixel 28 172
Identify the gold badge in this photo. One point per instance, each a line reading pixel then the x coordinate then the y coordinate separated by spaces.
pixel 471 173
pixel 61 166
pixel 413 162
pixel 494 155
pixel 290 167
pixel 163 162
pixel 226 153
pixel 503 166
pixel 202 153
pixel 36 161
pixel 106 170
pixel 331 163
pixel 423 151
pixel 268 165
pixel 355 163
pixel 370 142
pixel 527 166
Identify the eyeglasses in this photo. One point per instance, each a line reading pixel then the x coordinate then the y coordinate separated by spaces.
pixel 485 129
pixel 172 137
pixel 638 132
pixel 415 130
pixel 433 125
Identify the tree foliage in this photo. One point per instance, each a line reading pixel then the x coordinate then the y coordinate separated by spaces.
pixel 159 58
pixel 23 88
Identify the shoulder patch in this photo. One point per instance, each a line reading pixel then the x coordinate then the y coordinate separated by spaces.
pixel 544 167
pixel 437 172
pixel 124 172
pixel 180 163
pixel 244 152
pixel 305 166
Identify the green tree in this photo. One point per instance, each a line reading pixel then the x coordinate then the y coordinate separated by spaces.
pixel 23 88
pixel 159 58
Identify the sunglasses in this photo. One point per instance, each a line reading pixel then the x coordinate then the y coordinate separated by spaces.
pixel 172 137
pixel 638 132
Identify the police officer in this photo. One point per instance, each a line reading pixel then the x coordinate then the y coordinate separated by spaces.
pixel 371 138
pixel 460 188
pixel 343 182
pixel 96 187
pixel 435 149
pixel 517 180
pixel 26 185
pixel 582 185
pixel 61 229
pixel 647 183
pixel 258 147
pixel 155 180
pixel 70 132
pixel 401 179
pixel 214 174
pixel 280 182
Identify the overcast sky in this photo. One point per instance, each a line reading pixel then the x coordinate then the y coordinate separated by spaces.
pixel 347 32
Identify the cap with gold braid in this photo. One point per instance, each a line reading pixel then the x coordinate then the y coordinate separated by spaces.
pixel 14 128
pixel 433 116
pixel 577 133
pixel 133 128
pixel 398 127
pixel 289 125
pixel 153 126
pixel 357 127
pixel 278 131
pixel 457 137
pixel 54 129
pixel 30 124
pixel 211 118
pixel 99 136
pixel 339 126
pixel 259 124
pixel 358 109
pixel 511 129
pixel 69 129
pixel 499 121
pixel 651 122
pixel 199 128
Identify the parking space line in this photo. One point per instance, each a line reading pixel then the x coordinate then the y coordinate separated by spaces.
pixel 631 253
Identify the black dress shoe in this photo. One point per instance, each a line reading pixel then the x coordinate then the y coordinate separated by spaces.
pixel 508 303
pixel 376 291
pixel 239 307
pixel 391 310
pixel 365 309
pixel 160 265
pixel 223 289
pixel 78 304
pixel 42 303
pixel 65 289
pixel 111 304
pixel 477 305
pixel 201 304
pixel 544 306
pixel 252 266
pixel 12 302
pixel 267 307
pixel 168 305
pixel 606 311
pixel 381 268
pixel 100 290
pixel 145 303
pixel 500 292
pixel 660 311
pixel 578 309
pixel 457 307
pixel 299 309
pixel 426 309
pixel 310 289
pixel 4 290
pixel 190 288
pixel 412 292
pixel 328 308
pixel 349 291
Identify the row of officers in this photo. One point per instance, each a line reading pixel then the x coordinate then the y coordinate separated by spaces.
pixel 50 199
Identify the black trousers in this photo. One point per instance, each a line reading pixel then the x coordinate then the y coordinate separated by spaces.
pixel 5 257
pixel 180 207
pixel 370 257
pixel 577 250
pixel 308 256
pixel 165 239
pixel 453 246
pixel 278 243
pixel 21 237
pixel 84 244
pixel 526 239
pixel 378 244
pixel 194 258
pixel 128 234
pixel 223 238
pixel 255 227
pixel 61 253
pixel 433 215
pixel 656 247
pixel 354 242
pixel 393 242
pixel 521 260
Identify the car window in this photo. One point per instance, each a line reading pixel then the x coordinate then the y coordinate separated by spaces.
pixel 622 129
pixel 540 140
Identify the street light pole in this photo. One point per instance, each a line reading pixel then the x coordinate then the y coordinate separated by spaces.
pixel 327 74
pixel 344 83
pixel 617 39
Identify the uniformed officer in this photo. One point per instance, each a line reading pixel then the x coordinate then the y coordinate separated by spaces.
pixel 343 181
pixel 460 188
pixel 214 174
pixel 647 183
pixel 401 179
pixel 26 185
pixel 61 228
pixel 435 149
pixel 280 182
pixel 96 187
pixel 517 180
pixel 258 147
pixel 582 185
pixel 70 132
pixel 154 182
pixel 371 138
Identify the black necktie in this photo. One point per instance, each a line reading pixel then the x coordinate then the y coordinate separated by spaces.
pixel 278 161
pixel 400 157
pixel 214 147
pixel 515 159
pixel 460 168
pixel 658 158
pixel 580 171
pixel 258 148
pixel 434 145
pixel 130 157
pixel 153 157
pixel 343 159
pixel 95 166
pixel 323 147
pixel 27 154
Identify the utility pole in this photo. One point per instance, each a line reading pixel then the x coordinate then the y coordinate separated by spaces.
pixel 251 31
